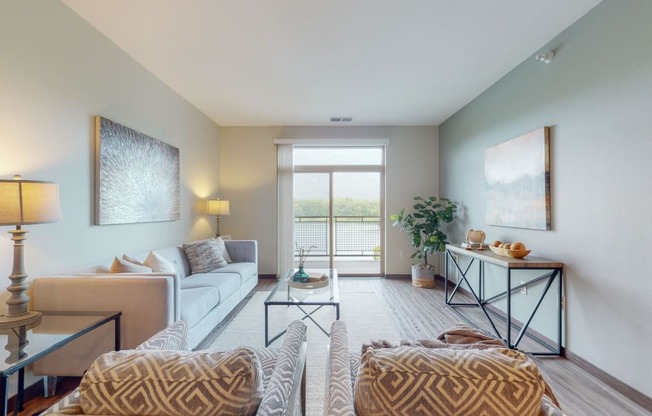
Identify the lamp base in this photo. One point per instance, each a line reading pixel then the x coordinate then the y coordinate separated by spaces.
pixel 29 318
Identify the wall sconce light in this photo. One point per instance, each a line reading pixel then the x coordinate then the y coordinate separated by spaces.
pixel 24 202
pixel 218 207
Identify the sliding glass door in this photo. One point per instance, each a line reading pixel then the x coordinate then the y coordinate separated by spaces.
pixel 338 206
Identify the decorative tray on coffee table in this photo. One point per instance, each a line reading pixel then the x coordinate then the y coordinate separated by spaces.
pixel 315 281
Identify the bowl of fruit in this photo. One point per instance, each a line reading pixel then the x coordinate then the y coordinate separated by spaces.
pixel 515 250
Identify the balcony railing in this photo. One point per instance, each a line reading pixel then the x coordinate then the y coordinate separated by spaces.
pixel 352 235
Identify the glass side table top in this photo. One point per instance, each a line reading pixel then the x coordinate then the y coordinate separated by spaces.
pixel 284 294
pixel 22 345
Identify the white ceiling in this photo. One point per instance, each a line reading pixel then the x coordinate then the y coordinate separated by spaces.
pixel 299 62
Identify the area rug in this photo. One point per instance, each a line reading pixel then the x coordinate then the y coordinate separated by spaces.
pixel 363 313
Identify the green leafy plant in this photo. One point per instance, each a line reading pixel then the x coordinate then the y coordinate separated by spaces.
pixel 423 224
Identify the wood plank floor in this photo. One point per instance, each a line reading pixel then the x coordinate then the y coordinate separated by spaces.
pixel 421 313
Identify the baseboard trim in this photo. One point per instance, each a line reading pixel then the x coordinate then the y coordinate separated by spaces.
pixel 611 381
pixel 398 276
pixel 267 276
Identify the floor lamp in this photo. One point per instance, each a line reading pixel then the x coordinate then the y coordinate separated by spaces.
pixel 24 202
pixel 218 207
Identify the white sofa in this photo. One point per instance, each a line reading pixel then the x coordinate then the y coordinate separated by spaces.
pixel 148 302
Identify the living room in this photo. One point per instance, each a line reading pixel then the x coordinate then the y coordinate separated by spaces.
pixel 58 72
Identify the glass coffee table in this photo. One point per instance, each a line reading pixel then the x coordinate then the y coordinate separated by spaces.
pixel 25 344
pixel 308 301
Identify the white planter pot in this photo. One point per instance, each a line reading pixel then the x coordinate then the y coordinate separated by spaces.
pixel 423 277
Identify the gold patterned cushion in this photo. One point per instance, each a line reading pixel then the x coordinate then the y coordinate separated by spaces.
pixel 162 383
pixel 425 381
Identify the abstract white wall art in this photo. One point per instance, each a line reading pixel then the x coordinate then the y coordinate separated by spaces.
pixel 136 176
pixel 517 181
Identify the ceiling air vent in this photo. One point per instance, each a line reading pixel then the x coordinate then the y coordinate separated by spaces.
pixel 341 119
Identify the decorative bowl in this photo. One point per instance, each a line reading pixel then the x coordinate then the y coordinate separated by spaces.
pixel 516 254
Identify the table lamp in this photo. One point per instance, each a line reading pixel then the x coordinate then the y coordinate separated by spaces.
pixel 24 202
pixel 218 207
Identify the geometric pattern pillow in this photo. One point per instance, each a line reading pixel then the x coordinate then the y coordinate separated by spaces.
pixel 281 382
pixel 174 337
pixel 203 256
pixel 165 383
pixel 425 381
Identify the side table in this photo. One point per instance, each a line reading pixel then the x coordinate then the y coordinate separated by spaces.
pixel 23 345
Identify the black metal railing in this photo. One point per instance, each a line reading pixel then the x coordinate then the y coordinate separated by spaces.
pixel 352 235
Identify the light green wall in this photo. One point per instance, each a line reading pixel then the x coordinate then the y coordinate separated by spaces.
pixel 248 180
pixel 56 73
pixel 596 97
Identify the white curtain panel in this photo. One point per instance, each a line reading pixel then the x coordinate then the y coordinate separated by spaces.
pixel 285 157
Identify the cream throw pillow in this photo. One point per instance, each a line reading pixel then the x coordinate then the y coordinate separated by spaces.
pixel 417 380
pixel 159 264
pixel 163 383
pixel 124 266
pixel 221 248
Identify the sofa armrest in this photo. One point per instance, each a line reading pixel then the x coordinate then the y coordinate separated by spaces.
pixel 286 386
pixel 338 400
pixel 242 251
pixel 148 304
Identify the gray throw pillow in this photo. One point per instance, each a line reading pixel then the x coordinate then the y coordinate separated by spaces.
pixel 203 256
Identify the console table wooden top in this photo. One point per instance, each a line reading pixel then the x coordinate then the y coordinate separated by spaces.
pixel 488 256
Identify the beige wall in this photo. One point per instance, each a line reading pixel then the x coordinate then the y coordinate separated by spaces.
pixel 596 96
pixel 56 73
pixel 248 179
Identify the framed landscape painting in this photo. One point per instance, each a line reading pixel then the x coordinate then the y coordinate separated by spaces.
pixel 136 176
pixel 517 181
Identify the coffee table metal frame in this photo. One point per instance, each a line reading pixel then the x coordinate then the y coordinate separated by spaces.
pixel 21 363
pixel 329 297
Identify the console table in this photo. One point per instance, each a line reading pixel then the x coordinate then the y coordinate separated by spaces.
pixel 25 344
pixel 552 272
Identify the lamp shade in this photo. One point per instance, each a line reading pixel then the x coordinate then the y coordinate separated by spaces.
pixel 218 207
pixel 28 202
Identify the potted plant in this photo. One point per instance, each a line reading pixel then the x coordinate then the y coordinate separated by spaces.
pixel 423 224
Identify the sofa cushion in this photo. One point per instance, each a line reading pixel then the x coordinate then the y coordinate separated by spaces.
pixel 196 303
pixel 410 380
pixel 245 270
pixel 203 256
pixel 124 266
pixel 225 283
pixel 174 337
pixel 173 383
pixel 177 256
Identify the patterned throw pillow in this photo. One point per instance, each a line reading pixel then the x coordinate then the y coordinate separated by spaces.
pixel 124 266
pixel 203 256
pixel 163 383
pixel 174 337
pixel 416 380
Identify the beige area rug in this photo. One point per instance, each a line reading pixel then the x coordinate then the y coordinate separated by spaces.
pixel 363 313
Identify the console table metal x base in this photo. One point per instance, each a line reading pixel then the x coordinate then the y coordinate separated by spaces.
pixel 552 274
